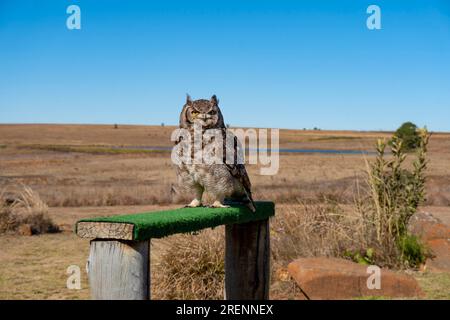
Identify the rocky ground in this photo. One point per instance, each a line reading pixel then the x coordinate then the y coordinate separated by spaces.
pixel 331 278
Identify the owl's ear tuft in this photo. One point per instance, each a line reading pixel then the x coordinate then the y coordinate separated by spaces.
pixel 214 100
pixel 188 99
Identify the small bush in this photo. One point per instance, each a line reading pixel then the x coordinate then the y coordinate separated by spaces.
pixel 8 221
pixel 408 133
pixel 394 194
pixel 412 249
pixel 24 207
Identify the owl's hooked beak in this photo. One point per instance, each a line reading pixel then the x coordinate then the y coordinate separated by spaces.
pixel 203 120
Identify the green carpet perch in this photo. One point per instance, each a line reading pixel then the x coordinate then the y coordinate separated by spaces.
pixel 159 224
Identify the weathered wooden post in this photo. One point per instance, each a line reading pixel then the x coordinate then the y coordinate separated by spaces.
pixel 247 261
pixel 119 270
pixel 119 259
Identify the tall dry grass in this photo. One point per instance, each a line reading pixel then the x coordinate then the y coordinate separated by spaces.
pixel 114 195
pixel 23 207
pixel 190 267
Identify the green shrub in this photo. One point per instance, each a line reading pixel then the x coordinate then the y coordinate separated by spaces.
pixel 395 192
pixel 366 258
pixel 412 249
pixel 408 133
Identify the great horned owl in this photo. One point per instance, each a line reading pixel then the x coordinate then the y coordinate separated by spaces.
pixel 222 180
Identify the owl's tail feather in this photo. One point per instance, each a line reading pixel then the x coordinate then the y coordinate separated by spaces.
pixel 251 206
pixel 246 201
pixel 250 203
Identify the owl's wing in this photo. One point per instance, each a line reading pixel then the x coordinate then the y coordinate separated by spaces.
pixel 239 172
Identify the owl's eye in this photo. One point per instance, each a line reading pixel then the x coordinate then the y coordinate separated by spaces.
pixel 194 113
pixel 212 112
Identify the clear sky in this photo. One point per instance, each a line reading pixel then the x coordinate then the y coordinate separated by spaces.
pixel 282 64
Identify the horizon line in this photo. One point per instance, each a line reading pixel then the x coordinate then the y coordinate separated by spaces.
pixel 176 125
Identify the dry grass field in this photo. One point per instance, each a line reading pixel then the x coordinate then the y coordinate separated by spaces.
pixel 78 172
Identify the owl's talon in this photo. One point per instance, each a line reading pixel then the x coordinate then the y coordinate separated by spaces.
pixel 194 204
pixel 217 204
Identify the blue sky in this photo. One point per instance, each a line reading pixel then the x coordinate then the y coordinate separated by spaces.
pixel 283 64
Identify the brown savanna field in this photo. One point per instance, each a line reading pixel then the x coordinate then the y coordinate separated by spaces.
pixel 78 171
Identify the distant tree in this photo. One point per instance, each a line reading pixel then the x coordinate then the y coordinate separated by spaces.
pixel 228 125
pixel 162 124
pixel 116 126
pixel 408 133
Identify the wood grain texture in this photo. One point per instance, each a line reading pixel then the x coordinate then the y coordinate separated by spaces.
pixel 119 270
pixel 247 261
pixel 105 230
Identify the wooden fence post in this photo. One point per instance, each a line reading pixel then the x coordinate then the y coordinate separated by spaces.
pixel 119 270
pixel 247 261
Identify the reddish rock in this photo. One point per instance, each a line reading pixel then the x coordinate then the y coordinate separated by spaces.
pixel 25 230
pixel 431 231
pixel 438 231
pixel 333 279
pixel 436 235
pixel 440 262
